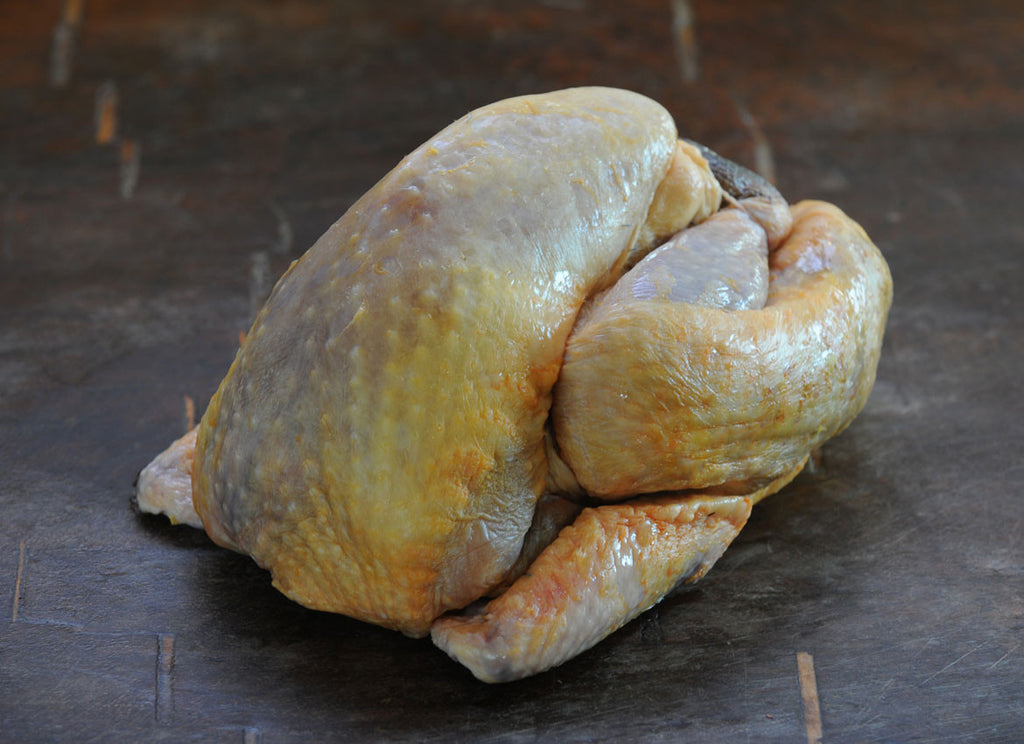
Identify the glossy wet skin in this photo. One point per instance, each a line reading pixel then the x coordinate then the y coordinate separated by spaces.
pixel 379 441
pixel 386 433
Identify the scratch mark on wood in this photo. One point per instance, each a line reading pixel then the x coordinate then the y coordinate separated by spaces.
pixel 259 281
pixel 885 687
pixel 764 158
pixel 252 735
pixel 130 156
pixel 685 37
pixel 63 48
pixel 952 664
pixel 44 622
pixel 190 414
pixel 952 197
pixel 106 113
pixel 17 581
pixel 1004 657
pixel 285 235
pixel 871 706
pixel 809 693
pixel 164 703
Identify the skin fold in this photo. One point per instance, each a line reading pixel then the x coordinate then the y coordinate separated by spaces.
pixel 540 362
pixel 727 396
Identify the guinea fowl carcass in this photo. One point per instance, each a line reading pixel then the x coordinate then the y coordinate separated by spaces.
pixel 551 359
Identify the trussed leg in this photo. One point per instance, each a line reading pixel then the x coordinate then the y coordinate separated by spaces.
pixel 613 563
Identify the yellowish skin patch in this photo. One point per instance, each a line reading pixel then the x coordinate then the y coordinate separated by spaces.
pixel 386 431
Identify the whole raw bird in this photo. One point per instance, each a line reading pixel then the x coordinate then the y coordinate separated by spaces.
pixel 551 359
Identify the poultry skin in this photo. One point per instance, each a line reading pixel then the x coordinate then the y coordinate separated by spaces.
pixel 552 358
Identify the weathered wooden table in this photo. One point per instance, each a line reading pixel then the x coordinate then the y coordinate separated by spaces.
pixel 160 163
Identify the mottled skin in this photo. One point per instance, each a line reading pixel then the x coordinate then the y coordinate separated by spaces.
pixel 379 441
pixel 385 436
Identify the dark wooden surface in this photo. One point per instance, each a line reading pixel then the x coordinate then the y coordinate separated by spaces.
pixel 160 163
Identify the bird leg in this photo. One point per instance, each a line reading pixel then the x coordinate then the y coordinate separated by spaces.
pixel 613 563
